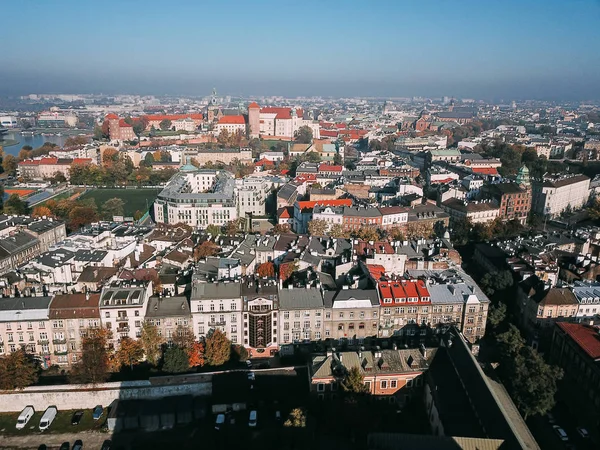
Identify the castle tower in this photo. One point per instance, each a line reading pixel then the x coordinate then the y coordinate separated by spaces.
pixel 254 119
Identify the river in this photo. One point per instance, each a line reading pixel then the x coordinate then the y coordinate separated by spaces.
pixel 35 141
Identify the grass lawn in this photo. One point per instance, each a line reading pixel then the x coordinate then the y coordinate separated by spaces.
pixel 135 199
pixel 61 423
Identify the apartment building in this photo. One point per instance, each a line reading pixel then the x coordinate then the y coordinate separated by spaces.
pixel 123 306
pixel 260 303
pixel 587 295
pixel 251 195
pixel 303 211
pixel 351 314
pixel 16 249
pixel 301 315
pixel 217 306
pixel 476 212
pixel 24 324
pixel 231 124
pixel 170 315
pixel 48 167
pixel 279 121
pixel 71 315
pixel 553 195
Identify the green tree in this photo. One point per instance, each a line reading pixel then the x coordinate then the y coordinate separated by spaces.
pixel 354 382
pixel 183 337
pixel 496 314
pixel 139 126
pixel 496 281
pixel 9 164
pixel 94 365
pixel 213 230
pixel 304 135
pixel 511 342
pixel 532 382
pixel 17 371
pixel 337 231
pixel 82 215
pixel 151 342
pixel 113 207
pixel 239 352
pixel 338 160
pixel 296 419
pixel 176 360
pixel 14 205
pixel 165 124
pixel 218 348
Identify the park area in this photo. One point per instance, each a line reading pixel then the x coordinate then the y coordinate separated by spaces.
pixel 135 199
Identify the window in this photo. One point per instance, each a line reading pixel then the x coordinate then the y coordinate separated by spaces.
pixel 409 382
pixel 393 384
pixel 352 314
pixel 221 307
pixel 368 385
pixel 137 314
pixel 286 314
pixel 200 307
pixel 328 315
pixel 384 384
pixel 320 387
pixel 341 315
pixel 106 314
pixel 386 311
pixel 317 335
pixel 297 314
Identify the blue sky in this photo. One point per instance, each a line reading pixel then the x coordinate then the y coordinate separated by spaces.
pixel 483 49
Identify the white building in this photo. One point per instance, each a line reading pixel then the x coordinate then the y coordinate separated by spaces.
pixel 216 306
pixel 272 156
pixel 333 215
pixel 8 122
pixel 476 212
pixel 554 195
pixel 186 124
pixel 232 124
pixel 251 195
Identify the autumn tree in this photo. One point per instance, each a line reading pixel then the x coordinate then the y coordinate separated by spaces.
pixel 287 269
pixel 9 164
pixel 318 227
pixel 94 364
pixel 110 156
pixel 17 371
pixel 266 269
pixel 175 360
pixel 165 124
pixel 296 419
pixel 113 207
pixel 82 215
pixel 41 211
pixel 366 234
pixel 304 135
pixel 205 249
pixel 196 355
pixel 239 352
pixel 232 227
pixel 139 126
pixel 338 231
pixel 183 337
pixel 281 228
pixel 151 341
pixel 130 352
pixel 397 234
pixel 218 348
pixel 73 141
pixel 213 230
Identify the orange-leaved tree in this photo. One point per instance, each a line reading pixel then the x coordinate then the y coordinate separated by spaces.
pixel 266 269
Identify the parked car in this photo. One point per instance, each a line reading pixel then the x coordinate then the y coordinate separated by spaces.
pixel 77 416
pixel 550 418
pixel 278 416
pixel 252 419
pixel 98 411
pixel 24 417
pixel 78 445
pixel 583 432
pixel 65 446
pixel 562 434
pixel 248 363
pixel 48 418
pixel 106 445
pixel 251 376
pixel 220 421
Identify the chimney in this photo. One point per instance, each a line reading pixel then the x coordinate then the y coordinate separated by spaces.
pixel 87 296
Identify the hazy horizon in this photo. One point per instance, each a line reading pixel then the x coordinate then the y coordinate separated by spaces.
pixel 510 50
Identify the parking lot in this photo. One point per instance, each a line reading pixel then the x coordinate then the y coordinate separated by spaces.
pixel 547 438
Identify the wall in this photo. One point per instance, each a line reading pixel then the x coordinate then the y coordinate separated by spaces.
pixel 88 396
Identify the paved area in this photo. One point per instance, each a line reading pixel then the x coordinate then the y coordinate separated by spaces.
pixel 91 440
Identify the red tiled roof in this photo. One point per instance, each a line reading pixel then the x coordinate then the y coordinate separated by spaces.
pixel 377 271
pixel 444 181
pixel 286 212
pixel 123 124
pixel 253 105
pixel 485 170
pixel 328 133
pixel 237 120
pixel 330 168
pixel 379 247
pixel 112 116
pixel 398 292
pixel 341 125
pixel 49 161
pixel 385 290
pixel 264 162
pixel 282 113
pixel 410 288
pixel 285 172
pixel 587 337
pixel 82 160
pixel 336 202
pixel 306 177
pixel 422 289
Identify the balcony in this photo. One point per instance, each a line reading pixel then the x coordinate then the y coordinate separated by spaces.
pixel 59 341
pixel 43 342
pixel 61 352
pixel 123 330
pixel 123 319
pixel 216 323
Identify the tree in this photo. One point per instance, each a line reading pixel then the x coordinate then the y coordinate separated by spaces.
pixel 510 341
pixel 110 156
pixel 287 269
pixel 296 419
pixel 206 249
pixel 113 207
pixel 93 366
pixel 14 205
pixel 338 231
pixel 9 164
pixel 281 228
pixel 213 230
pixel 183 337
pixel 318 227
pixel 367 234
pixel 151 342
pixel 82 215
pixel 266 269
pixel 17 371
pixel 196 355
pixel 232 227
pixel 130 352
pixel 338 160
pixel 139 126
pixel 137 215
pixel 532 382
pixel 353 382
pixel 497 314
pixel 218 348
pixel 304 135
pixel 149 159
pixel 73 141
pixel 25 153
pixel 26 124
pixel 176 360
pixel 165 124
pixel 496 281
pixel 41 211
pixel 239 352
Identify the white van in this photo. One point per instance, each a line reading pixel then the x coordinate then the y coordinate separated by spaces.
pixel 48 418
pixel 252 419
pixel 220 421
pixel 24 417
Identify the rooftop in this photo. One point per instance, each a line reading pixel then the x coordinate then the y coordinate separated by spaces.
pixel 585 336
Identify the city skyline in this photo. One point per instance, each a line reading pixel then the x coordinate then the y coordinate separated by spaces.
pixel 510 51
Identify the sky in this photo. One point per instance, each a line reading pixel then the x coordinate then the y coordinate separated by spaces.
pixel 485 49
